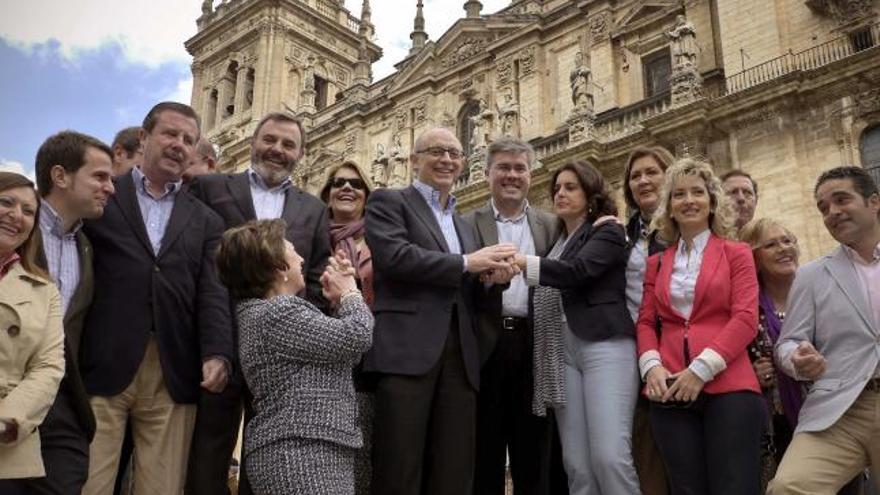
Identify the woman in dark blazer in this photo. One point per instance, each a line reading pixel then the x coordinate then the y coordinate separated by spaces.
pixel 702 292
pixel 596 356
pixel 297 363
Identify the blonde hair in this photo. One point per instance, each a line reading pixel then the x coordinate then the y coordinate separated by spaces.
pixel 721 216
pixel 752 233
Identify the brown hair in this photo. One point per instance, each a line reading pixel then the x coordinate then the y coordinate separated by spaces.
pixel 664 159
pixel 171 106
pixel 250 256
pixel 720 208
pixel 31 249
pixel 740 173
pixel 325 191
pixel 600 201
pixel 128 139
pixel 68 149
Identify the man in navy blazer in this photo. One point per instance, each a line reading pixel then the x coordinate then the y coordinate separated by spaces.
pixel 159 325
pixel 831 340
pixel 264 191
pixel 424 346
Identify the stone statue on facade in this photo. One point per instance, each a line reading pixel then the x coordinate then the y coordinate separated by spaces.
pixel 309 74
pixel 684 42
pixel 580 79
pixel 397 163
pixel 207 7
pixel 482 126
pixel 379 167
pixel 509 111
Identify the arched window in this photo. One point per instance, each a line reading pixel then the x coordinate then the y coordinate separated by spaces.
pixel 466 125
pixel 229 81
pixel 869 148
pixel 212 110
pixel 249 90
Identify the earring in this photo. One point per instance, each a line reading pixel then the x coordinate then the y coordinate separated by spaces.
pixel 285 278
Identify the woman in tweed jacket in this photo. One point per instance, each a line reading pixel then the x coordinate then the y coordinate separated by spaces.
pixel 297 363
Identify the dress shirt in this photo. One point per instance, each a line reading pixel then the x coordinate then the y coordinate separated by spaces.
pixel 62 254
pixel 515 299
pixel 443 215
pixel 635 271
pixel 155 210
pixel 268 201
pixel 869 278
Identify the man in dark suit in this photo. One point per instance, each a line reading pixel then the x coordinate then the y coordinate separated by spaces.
pixel 159 325
pixel 264 191
pixel 505 423
pixel 424 346
pixel 74 173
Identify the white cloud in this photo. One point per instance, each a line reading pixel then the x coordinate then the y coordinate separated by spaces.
pixel 13 166
pixel 182 93
pixel 150 32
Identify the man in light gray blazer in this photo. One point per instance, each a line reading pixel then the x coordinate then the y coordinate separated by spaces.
pixel 831 340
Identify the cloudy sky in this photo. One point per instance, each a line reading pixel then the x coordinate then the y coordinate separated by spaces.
pixel 98 65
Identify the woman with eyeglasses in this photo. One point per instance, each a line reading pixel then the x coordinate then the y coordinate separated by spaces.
pixel 698 315
pixel 346 191
pixel 31 336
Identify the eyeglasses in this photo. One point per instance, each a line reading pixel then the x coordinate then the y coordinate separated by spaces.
pixel 439 151
pixel 340 182
pixel 782 242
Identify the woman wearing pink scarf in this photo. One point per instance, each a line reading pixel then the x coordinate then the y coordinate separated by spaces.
pixel 345 192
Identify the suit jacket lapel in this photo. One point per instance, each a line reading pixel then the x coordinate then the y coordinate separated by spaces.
pixel 484 219
pixel 292 203
pixel 577 240
pixel 82 296
pixel 844 273
pixel 126 197
pixel 412 196
pixel 708 268
pixel 661 287
pixel 465 232
pixel 538 230
pixel 180 213
pixel 240 189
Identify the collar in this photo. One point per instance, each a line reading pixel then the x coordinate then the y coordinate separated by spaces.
pixel 52 222
pixel 257 180
pixel 432 196
pixel 7 262
pixel 142 183
pixel 854 256
pixel 700 242
pixel 501 218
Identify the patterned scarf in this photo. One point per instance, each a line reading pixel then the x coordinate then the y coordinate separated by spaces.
pixel 548 352
pixel 344 236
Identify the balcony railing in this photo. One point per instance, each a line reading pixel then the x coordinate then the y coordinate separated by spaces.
pixel 627 120
pixel 811 58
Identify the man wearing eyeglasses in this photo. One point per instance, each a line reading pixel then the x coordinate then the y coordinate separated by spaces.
pixel 264 191
pixel 425 262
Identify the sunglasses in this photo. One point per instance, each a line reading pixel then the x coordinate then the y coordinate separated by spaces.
pixel 339 182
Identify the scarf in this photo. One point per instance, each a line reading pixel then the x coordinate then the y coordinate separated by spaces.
pixel 790 393
pixel 343 236
pixel 548 351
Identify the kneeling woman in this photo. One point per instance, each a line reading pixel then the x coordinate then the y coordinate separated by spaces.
pixel 297 363
pixel 702 291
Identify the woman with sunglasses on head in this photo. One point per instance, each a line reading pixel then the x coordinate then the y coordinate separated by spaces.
pixel 345 192
pixel 31 336
pixel 697 318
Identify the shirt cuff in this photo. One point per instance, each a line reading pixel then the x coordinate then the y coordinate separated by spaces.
pixel 464 263
pixel 707 365
pixel 648 360
pixel 533 270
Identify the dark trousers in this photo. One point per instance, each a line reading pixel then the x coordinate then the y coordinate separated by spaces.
pixel 213 441
pixel 65 450
pixel 423 438
pixel 713 447
pixel 505 423
pixel 646 456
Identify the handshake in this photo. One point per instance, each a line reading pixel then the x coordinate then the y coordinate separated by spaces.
pixel 496 264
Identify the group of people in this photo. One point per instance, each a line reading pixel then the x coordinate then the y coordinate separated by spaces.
pixel 376 341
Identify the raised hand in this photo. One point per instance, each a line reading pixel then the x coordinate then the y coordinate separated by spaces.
pixel 807 361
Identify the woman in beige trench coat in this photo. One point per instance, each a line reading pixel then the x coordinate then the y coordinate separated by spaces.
pixel 31 335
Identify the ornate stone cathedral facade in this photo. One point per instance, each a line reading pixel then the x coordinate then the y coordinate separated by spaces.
pixel 782 89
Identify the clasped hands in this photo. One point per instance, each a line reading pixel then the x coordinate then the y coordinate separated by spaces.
pixel 496 264
pixel 338 278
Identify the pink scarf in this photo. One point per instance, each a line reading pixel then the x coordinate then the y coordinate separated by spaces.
pixel 344 237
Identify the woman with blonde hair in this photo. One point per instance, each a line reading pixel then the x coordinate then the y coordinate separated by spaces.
pixel 698 316
pixel 33 340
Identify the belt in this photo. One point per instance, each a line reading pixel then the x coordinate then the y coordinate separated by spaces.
pixel 873 385
pixel 513 322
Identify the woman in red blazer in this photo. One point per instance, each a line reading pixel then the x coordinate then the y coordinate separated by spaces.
pixel 701 293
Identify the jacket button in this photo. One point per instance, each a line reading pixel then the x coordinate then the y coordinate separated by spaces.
pixel 13 330
pixel 156 268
